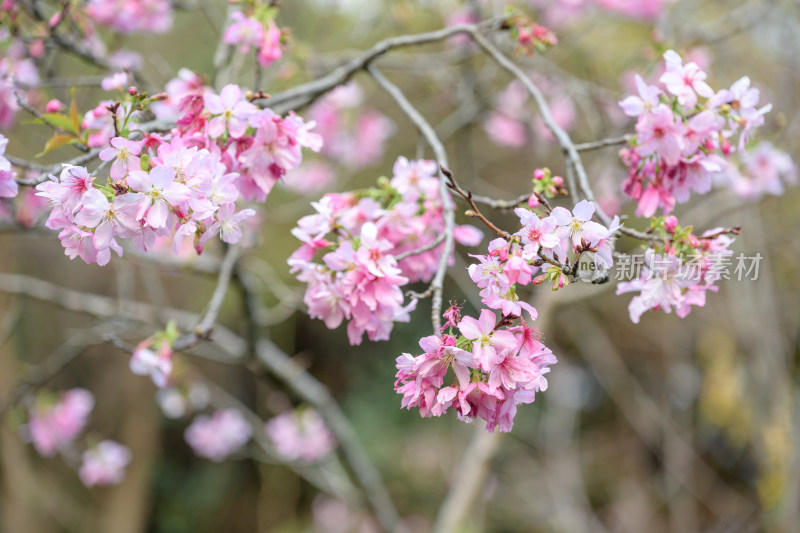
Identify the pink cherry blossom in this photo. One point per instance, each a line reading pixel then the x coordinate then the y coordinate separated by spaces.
pixel 244 31
pixel 488 345
pixel 8 185
pixel 220 435
pixel 54 426
pixel 159 192
pixel 104 464
pixel 687 82
pixel 231 112
pixel 659 132
pixel 300 436
pixel 157 365
pixel 124 154
pixel 270 50
pixel 647 100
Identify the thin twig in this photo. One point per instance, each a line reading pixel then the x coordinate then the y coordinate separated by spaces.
pixel 603 143
pixel 571 154
pixel 421 250
pixel 315 393
pixel 437 284
pixel 306 93
pixel 500 204
pixel 203 328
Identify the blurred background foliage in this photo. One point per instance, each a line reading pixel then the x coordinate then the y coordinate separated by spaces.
pixel 669 425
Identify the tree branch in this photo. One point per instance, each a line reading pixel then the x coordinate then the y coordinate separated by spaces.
pixel 432 139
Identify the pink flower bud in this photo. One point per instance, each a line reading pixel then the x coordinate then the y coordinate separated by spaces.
pixel 538 174
pixel 533 201
pixel 670 222
pixel 726 147
pixel 132 90
pixel 55 19
pixel 36 49
pixel 558 181
pixel 693 241
pixel 53 106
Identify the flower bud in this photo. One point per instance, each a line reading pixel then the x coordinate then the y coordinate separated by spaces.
pixel 533 201
pixel 670 223
pixel 538 174
pixel 53 106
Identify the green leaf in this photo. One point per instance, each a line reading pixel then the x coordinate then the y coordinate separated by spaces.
pixel 56 141
pixel 73 114
pixel 60 121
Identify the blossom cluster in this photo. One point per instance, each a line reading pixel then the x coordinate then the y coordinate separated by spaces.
pixel 183 185
pixel 764 169
pixel 300 435
pixel 132 16
pixel 349 246
pixel 678 272
pixel 354 135
pixel 544 249
pixel 104 464
pixel 153 356
pixel 296 435
pixel 495 367
pixel 567 12
pixel 8 184
pixel 218 436
pixel 684 133
pixel 512 121
pixel 257 28
pixel 18 76
pixel 54 425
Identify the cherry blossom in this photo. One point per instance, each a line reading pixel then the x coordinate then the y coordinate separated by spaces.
pixel 220 435
pixel 104 464
pixel 300 435
pixel 53 426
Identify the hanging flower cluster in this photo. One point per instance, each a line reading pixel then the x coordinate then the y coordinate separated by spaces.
pixel 300 435
pixel 684 133
pixel 182 185
pixel 220 435
pixel 132 16
pixel 354 135
pixel 677 273
pixel 543 250
pixel 348 256
pixel 18 74
pixel 255 26
pixel 8 185
pixel 485 370
pixel 54 424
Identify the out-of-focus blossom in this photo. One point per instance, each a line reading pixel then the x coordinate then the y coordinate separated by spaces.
pixel 54 426
pixel 104 464
pixel 300 435
pixel 220 435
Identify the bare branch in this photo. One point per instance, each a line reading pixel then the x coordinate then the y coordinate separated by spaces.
pixel 203 328
pixel 421 250
pixel 603 143
pixel 500 204
pixel 571 154
pixel 432 139
pixel 305 94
